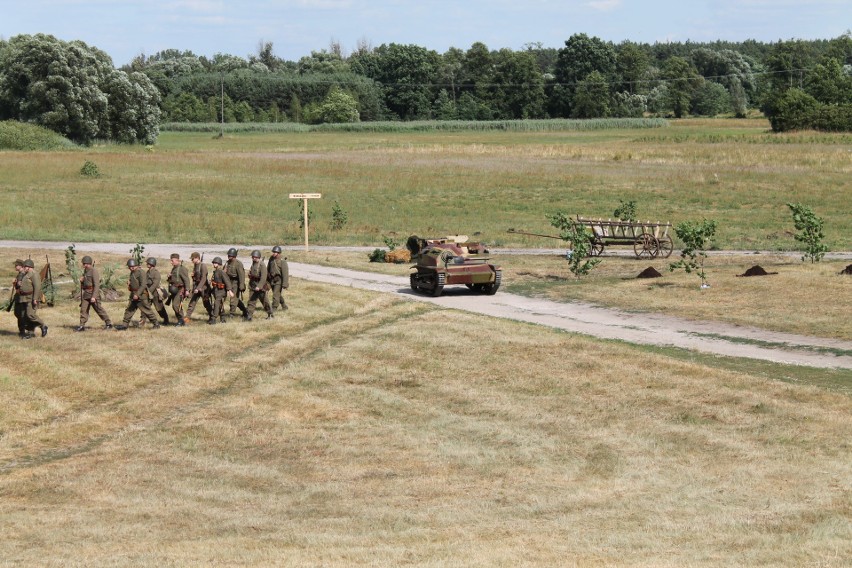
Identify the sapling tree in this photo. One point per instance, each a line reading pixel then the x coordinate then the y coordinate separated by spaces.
pixel 338 217
pixel 695 238
pixel 810 231
pixel 626 210
pixel 575 234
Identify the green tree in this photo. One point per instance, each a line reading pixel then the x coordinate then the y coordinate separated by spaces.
pixel 591 97
pixel 518 90
pixel 682 80
pixel 631 63
pixel 829 84
pixel 810 233
pixel 407 73
pixel 695 238
pixel 73 89
pixel 338 107
pixel 581 56
pixel 794 110
pixel 574 233
pixel 710 99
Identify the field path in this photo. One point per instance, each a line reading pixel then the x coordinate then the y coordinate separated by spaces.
pixel 608 323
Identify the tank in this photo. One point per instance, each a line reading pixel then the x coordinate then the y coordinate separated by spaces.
pixel 451 261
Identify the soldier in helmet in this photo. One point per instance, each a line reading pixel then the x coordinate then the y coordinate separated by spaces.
pixel 237 274
pixel 258 286
pixel 135 285
pixel 179 287
pixel 278 273
pixel 220 288
pixel 149 299
pixel 20 308
pixel 200 287
pixel 90 295
pixel 29 292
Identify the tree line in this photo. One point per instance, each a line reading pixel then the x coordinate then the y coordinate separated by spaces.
pixel 73 88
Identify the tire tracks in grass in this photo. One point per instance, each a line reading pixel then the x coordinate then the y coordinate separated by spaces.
pixel 140 415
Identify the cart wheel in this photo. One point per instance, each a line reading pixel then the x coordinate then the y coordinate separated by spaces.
pixel 646 246
pixel 596 247
pixel 666 247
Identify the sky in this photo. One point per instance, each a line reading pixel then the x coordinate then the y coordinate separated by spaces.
pixel 127 28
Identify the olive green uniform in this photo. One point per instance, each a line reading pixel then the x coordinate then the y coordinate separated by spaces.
pixel 149 300
pixel 278 273
pixel 90 296
pixel 200 290
pixel 135 285
pixel 220 285
pixel 20 308
pixel 258 286
pixel 179 286
pixel 237 275
pixel 29 291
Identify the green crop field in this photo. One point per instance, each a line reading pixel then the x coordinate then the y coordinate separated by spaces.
pixel 198 187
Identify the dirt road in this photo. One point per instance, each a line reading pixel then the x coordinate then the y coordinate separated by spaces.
pixel 641 328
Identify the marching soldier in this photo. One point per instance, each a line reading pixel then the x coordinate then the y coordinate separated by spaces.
pixel 220 286
pixel 29 292
pixel 20 309
pixel 278 272
pixel 179 286
pixel 149 299
pixel 258 286
pixel 200 287
pixel 135 285
pixel 237 274
pixel 90 295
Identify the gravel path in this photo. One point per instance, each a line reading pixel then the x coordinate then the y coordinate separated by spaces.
pixel 641 328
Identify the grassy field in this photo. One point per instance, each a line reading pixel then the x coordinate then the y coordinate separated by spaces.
pixel 194 187
pixel 361 429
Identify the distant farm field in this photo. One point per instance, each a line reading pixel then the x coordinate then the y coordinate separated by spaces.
pixel 196 187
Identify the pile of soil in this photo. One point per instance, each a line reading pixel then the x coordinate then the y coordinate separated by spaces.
pixel 847 270
pixel 756 270
pixel 649 272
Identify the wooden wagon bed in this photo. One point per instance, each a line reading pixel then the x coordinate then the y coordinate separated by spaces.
pixel 649 240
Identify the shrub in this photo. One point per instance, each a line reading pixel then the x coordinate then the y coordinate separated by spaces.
pixel 810 231
pixel 338 217
pixel 90 169
pixel 575 234
pixel 695 238
pixel 16 135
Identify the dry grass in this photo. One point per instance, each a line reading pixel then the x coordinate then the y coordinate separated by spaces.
pixel 359 429
pixel 809 299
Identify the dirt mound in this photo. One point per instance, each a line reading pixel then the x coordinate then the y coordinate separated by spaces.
pixel 847 270
pixel 649 272
pixel 756 270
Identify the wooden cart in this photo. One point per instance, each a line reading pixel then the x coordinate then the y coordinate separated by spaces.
pixel 649 240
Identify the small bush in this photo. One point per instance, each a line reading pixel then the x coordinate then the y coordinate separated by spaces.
pixel 810 231
pixel 338 217
pixel 16 135
pixel 90 169
pixel 378 255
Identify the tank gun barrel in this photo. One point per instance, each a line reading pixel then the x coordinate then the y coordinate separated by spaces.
pixel 513 231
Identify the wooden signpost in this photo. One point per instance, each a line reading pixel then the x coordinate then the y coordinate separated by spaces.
pixel 304 197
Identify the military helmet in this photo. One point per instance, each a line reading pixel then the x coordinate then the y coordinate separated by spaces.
pixel 255 254
pixel 87 260
pixel 152 261
pixel 29 263
pixel 276 248
pixel 232 252
pixel 218 260
pixel 19 262
pixel 132 262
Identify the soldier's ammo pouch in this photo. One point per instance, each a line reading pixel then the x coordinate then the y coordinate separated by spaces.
pixel 161 294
